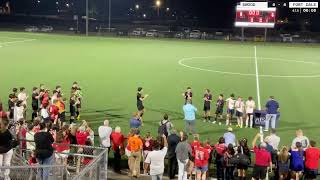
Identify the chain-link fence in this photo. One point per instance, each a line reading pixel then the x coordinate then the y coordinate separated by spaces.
pixel 75 162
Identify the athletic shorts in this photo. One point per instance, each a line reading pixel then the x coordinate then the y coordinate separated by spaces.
pixel 311 173
pixel 78 105
pixel 239 114
pixel 230 111
pixel 219 111
pixel 259 172
pixel 62 116
pixel 202 168
pixel 140 107
pixel 35 107
pixel 206 107
pixel 72 111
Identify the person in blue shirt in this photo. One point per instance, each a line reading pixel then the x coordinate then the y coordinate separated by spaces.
pixel 272 108
pixel 229 137
pixel 135 121
pixel 189 116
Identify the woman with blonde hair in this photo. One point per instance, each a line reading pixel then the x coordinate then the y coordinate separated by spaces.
pixel 283 163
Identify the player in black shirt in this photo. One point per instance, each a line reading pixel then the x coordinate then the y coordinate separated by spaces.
pixel 219 110
pixel 187 95
pixel 207 105
pixel 35 102
pixel 72 106
pixel 11 104
pixel 140 99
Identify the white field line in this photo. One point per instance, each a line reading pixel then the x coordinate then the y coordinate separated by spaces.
pixel 14 42
pixel 181 63
pixel 257 77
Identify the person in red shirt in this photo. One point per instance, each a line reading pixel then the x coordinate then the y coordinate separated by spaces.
pixel 195 143
pixel 32 160
pixel 117 140
pixel 3 114
pixel 54 111
pixel 45 98
pixel 262 159
pixel 147 147
pixel 82 135
pixel 201 162
pixel 21 132
pixel 312 161
pixel 62 144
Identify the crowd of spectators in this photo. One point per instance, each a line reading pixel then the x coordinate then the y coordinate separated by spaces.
pixel 188 155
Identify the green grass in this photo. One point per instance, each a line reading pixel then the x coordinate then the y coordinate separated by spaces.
pixel 109 71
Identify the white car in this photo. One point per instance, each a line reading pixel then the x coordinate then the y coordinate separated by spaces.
pixel 32 29
pixel 138 32
pixel 195 34
pixel 152 33
pixel 46 29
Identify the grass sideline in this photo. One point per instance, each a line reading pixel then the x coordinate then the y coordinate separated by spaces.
pixel 109 71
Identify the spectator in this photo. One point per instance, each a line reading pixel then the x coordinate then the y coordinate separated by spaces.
pixel 283 163
pixel 32 160
pixel 44 113
pixel 63 145
pixel 243 149
pixel 182 152
pixel 147 147
pixel 18 111
pixel 135 121
pixel 229 137
pixel 220 149
pixel 82 135
pixel 3 114
pixel 229 166
pixel 272 107
pixel 312 161
pixel 194 144
pixel 165 126
pixel 30 137
pixel 5 147
pixel 201 162
pixel 274 140
pixel 89 130
pixel 189 116
pixel 300 138
pixel 21 132
pixel 44 149
pixel 155 159
pixel 173 140
pixel 135 145
pixel 117 140
pixel 262 159
pixel 296 161
pixel 104 135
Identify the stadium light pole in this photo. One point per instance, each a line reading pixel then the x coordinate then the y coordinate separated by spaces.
pixel 87 17
pixel 158 4
pixel 109 20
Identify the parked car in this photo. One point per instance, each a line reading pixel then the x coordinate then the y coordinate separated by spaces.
pixel 46 29
pixel 138 32
pixel 179 35
pixel 195 34
pixel 152 33
pixel 32 29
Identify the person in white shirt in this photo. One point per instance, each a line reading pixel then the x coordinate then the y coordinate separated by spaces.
pixel 30 138
pixel 155 159
pixel 230 109
pixel 104 134
pixel 18 111
pixel 239 111
pixel 250 106
pixel 22 96
pixel 274 140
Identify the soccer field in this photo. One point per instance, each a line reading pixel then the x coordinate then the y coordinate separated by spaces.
pixel 109 70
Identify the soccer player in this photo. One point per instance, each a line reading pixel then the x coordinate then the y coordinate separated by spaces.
pixel 250 106
pixel 239 111
pixel 220 104
pixel 62 109
pixel 35 102
pixel 140 99
pixel 72 106
pixel 54 96
pixel 187 95
pixel 207 105
pixel 230 109
pixel 58 89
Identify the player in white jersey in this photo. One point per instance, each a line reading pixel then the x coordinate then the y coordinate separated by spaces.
pixel 230 109
pixel 250 106
pixel 239 111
